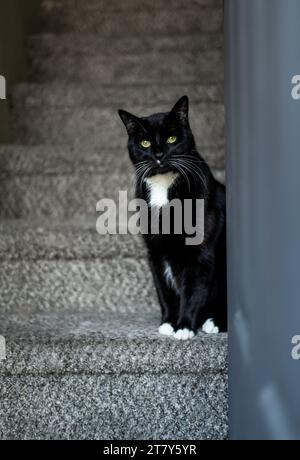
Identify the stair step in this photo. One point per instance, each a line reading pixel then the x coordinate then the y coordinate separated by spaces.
pixel 62 183
pixel 58 196
pixel 91 127
pixel 96 337
pixel 66 240
pixel 173 67
pixel 115 407
pixel 16 160
pixel 63 196
pixel 66 193
pixel 58 265
pixel 61 7
pixel 142 19
pixel 109 376
pixel 26 95
pixel 48 45
pixel 113 284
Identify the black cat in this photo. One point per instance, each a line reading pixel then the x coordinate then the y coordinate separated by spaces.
pixel 190 279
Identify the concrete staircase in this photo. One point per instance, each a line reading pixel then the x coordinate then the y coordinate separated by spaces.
pixel 78 310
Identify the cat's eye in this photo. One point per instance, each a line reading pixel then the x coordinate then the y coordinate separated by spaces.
pixel 146 144
pixel 171 139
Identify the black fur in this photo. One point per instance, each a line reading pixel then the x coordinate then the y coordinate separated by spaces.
pixel 199 271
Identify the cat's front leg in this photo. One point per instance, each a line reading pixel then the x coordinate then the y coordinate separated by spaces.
pixel 167 295
pixel 195 289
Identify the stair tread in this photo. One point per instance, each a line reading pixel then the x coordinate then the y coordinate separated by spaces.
pixel 27 95
pixel 89 44
pixel 60 182
pixel 102 127
pixel 94 17
pixel 67 239
pixel 87 284
pixel 53 6
pixel 204 66
pixel 101 343
pixel 66 160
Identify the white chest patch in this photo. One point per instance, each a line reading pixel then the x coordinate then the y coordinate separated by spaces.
pixel 158 187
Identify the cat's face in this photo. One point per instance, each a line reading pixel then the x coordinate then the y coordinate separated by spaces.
pixel 157 142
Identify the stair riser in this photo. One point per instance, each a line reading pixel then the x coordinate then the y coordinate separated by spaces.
pixel 102 128
pixel 206 67
pixel 62 196
pixel 51 8
pixel 142 21
pixel 119 284
pixel 64 242
pixel 62 160
pixel 114 407
pixel 59 196
pixel 53 95
pixel 53 46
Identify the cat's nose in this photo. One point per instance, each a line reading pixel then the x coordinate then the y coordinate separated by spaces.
pixel 159 155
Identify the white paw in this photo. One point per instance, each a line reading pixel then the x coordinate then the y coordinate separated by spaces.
pixel 209 327
pixel 166 329
pixel 183 334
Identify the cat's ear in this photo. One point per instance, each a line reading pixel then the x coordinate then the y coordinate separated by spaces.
pixel 131 122
pixel 181 109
